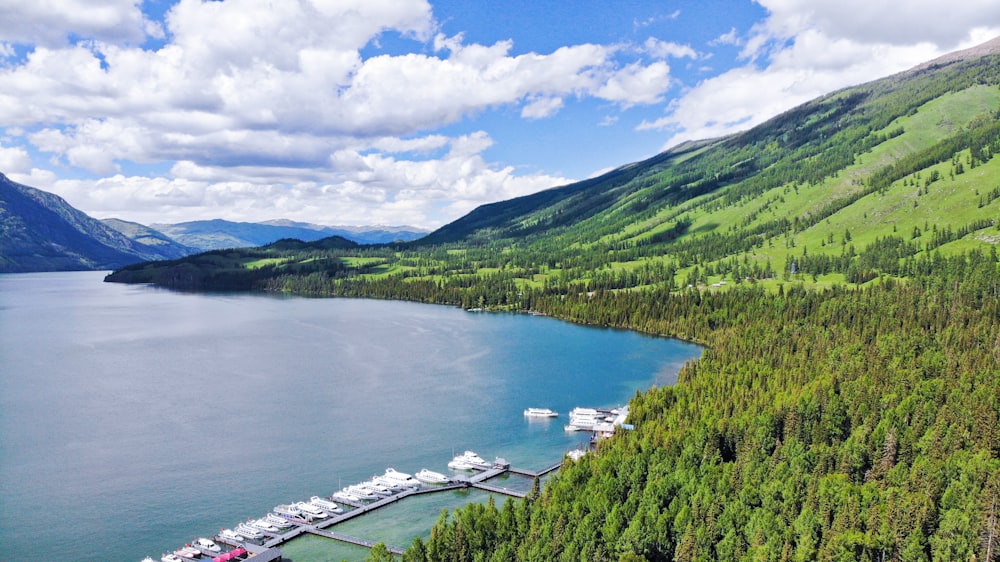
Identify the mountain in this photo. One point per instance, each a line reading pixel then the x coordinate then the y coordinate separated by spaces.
pixel 147 236
pixel 40 231
pixel 846 188
pixel 836 148
pixel 220 234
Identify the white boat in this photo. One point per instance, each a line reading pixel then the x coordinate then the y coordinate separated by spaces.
pixel 148 559
pixel 393 476
pixel 385 484
pixel 361 492
pixel 346 495
pixel 311 510
pixel 431 477
pixel 467 461
pixel 207 544
pixel 383 489
pixel 170 558
pixel 277 521
pixel 288 510
pixel 540 413
pixel 325 504
pixel 459 463
pixel 264 525
pixel 188 552
pixel 248 531
pixel 230 535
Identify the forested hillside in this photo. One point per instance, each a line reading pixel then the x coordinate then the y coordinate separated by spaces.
pixel 842 424
pixel 840 264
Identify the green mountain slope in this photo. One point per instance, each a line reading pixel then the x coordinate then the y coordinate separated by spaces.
pixel 39 231
pixel 843 189
pixel 854 151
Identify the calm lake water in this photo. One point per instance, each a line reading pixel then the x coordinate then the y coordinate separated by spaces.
pixel 133 419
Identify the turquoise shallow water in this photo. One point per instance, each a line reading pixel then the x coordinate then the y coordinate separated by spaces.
pixel 134 419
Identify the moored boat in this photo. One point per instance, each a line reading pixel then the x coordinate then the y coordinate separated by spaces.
pixel 287 510
pixel 188 552
pixel 264 525
pixel 311 510
pixel 248 531
pixel 459 463
pixel 230 535
pixel 346 495
pixel 277 520
pixel 381 489
pixel 467 461
pixel 207 544
pixel 170 558
pixel 395 477
pixel 325 504
pixel 361 492
pixel 431 477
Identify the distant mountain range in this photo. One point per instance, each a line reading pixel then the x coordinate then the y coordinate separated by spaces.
pixel 40 231
pixel 219 234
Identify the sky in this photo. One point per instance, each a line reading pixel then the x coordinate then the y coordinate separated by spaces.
pixel 411 112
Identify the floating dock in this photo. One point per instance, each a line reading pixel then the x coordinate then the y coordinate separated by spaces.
pixel 320 527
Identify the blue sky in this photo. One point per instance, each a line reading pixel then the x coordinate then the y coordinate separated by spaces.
pixel 363 112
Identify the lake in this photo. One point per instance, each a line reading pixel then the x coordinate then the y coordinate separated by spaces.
pixel 134 419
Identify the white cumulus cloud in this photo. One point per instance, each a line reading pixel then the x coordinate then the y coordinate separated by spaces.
pixel 804 49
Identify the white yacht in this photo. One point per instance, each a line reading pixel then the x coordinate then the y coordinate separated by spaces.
pixel 361 492
pixel 468 461
pixel 311 510
pixel 264 525
pixel 346 494
pixel 188 552
pixel 325 504
pixel 277 521
pixel 249 531
pixel 389 485
pixel 377 488
pixel 399 478
pixel 431 477
pixel 540 413
pixel 207 544
pixel 459 463
pixel 230 535
pixel 289 510
pixel 170 558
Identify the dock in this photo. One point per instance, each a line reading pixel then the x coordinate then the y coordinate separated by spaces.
pixel 321 527
pixel 352 540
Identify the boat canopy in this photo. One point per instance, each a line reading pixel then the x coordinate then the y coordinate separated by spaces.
pixel 225 557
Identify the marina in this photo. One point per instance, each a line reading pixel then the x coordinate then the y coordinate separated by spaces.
pixel 263 536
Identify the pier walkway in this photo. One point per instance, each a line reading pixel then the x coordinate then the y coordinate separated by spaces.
pixel 320 527
pixel 498 490
pixel 353 540
pixel 535 474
